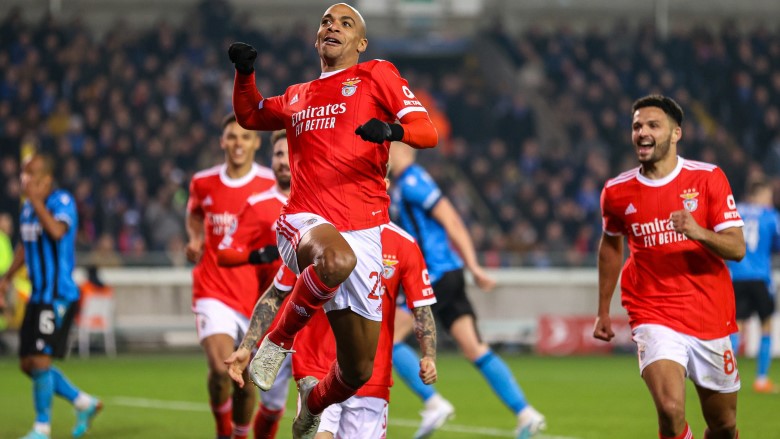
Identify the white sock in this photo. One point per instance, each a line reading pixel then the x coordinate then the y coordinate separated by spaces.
pixel 83 401
pixel 434 401
pixel 43 428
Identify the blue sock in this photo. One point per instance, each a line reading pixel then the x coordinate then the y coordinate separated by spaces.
pixel 43 394
pixel 407 365
pixel 735 340
pixel 764 355
pixel 501 380
pixel 62 386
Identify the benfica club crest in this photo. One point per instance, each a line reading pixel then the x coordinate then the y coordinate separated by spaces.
pixel 388 268
pixel 349 87
pixel 690 203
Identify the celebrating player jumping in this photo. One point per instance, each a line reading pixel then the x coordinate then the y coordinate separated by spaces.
pixel 339 127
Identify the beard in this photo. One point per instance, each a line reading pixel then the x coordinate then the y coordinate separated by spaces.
pixel 284 183
pixel 660 151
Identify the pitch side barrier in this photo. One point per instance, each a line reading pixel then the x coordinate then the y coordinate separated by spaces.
pixel 548 310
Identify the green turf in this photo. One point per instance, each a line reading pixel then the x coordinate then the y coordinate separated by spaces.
pixel 582 397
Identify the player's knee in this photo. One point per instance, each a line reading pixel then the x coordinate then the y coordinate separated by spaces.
pixel 219 378
pixel 246 392
pixel 722 422
pixel 26 368
pixel 358 373
pixel 671 412
pixel 28 365
pixel 335 266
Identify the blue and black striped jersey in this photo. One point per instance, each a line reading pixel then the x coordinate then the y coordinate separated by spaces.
pixel 50 262
pixel 414 195
pixel 762 238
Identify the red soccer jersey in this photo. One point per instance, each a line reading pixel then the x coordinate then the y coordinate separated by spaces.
pixel 404 266
pixel 335 174
pixel 669 279
pixel 218 199
pixel 256 228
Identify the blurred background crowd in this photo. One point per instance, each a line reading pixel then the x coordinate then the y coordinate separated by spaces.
pixel 132 113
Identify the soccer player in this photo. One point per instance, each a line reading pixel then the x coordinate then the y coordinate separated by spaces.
pixel 329 230
pixel 48 226
pixel 220 302
pixel 430 217
pixel 254 242
pixel 364 415
pixel 752 276
pixel 681 222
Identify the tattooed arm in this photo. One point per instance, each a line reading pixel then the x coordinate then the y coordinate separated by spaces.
pixel 262 316
pixel 425 331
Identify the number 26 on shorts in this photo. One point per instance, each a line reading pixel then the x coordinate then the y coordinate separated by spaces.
pixel 377 289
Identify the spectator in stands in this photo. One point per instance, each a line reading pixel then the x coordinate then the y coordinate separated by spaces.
pixel 165 92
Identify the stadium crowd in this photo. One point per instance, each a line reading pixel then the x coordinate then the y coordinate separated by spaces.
pixel 131 115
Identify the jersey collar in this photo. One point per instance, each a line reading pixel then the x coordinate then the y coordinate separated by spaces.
pixel 324 75
pixel 237 182
pixel 662 181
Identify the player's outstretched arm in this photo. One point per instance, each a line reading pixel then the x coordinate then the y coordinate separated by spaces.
pixel 444 212
pixel 262 316
pixel 610 261
pixel 425 331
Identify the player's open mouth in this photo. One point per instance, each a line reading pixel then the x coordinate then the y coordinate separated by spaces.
pixel 645 146
pixel 331 41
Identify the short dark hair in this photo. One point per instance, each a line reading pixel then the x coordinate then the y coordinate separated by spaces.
pixel 277 135
pixel 228 119
pixel 667 104
pixel 47 160
pixel 757 186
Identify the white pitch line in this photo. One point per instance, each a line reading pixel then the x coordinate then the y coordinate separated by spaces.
pixel 188 406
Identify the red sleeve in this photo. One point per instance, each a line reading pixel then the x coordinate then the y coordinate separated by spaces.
pixel 254 112
pixel 610 224
pixel 723 212
pixel 228 257
pixel 394 95
pixel 414 276
pixel 193 202
pixel 419 131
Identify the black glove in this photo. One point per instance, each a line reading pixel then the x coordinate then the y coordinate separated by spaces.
pixel 378 132
pixel 264 255
pixel 243 56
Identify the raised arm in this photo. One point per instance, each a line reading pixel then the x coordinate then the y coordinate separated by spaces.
pixel 253 112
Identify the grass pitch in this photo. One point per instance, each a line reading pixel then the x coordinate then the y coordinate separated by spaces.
pixel 164 396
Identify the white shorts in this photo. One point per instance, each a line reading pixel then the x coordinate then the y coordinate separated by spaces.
pixel 708 363
pixel 361 292
pixel 275 398
pixel 359 417
pixel 214 317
